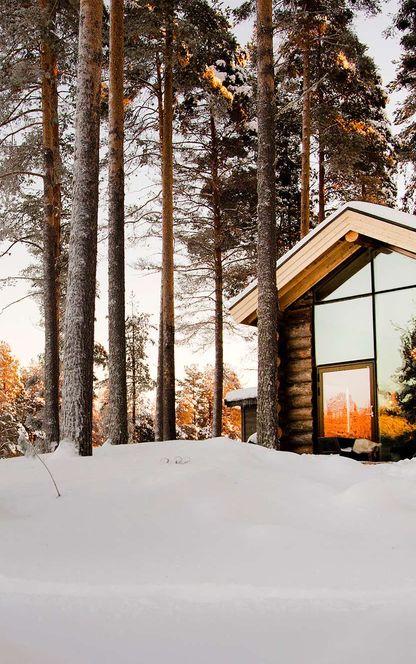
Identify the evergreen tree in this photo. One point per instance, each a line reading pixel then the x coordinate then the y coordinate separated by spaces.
pixel 138 373
pixel 80 300
pixel 195 409
pixel 213 162
pixel 116 279
pixel 406 396
pixel 176 41
pixel 405 22
pixel 266 243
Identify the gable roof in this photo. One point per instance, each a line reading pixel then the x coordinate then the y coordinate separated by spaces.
pixel 327 246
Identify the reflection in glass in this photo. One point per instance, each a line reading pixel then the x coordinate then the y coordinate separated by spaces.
pixel 354 279
pixel 346 403
pixel 344 331
pixel 396 367
pixel 394 271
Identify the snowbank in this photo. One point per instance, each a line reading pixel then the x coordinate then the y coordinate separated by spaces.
pixel 206 552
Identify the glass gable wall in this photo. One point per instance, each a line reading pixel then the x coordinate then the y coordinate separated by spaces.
pixel 365 351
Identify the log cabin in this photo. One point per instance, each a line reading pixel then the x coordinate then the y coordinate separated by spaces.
pixel 347 332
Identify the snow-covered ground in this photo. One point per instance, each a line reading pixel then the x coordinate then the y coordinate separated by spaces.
pixel 241 555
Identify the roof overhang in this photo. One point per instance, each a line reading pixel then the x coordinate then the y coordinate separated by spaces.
pixel 326 247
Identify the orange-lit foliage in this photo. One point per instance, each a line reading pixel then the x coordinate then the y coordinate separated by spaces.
pixel 352 422
pixel 216 84
pixel 10 384
pixel 356 127
pixel 195 404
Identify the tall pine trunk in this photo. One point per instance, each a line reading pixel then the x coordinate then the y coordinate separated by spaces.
pixel 168 327
pixel 321 150
pixel 134 379
pixel 159 378
pixel 218 323
pixel 51 223
pixel 80 301
pixel 306 141
pixel 117 429
pixel 267 247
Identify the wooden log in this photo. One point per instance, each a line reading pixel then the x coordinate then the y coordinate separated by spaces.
pixel 299 367
pixel 304 329
pixel 299 414
pixel 298 342
pixel 351 236
pixel 303 426
pixel 299 401
pixel 302 389
pixel 298 354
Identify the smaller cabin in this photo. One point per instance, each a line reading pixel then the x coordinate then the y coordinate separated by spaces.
pixel 347 332
pixel 246 399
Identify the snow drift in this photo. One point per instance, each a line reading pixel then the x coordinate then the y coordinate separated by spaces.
pixel 206 552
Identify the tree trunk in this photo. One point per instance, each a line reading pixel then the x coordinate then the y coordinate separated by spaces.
pixel 51 224
pixel 159 378
pixel 80 301
pixel 134 379
pixel 306 142
pixel 117 430
pixel 168 328
pixel 321 151
pixel 218 323
pixel 267 246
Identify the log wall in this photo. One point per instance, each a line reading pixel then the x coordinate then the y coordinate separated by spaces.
pixel 296 398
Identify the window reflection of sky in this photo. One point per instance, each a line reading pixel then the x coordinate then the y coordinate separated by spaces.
pixel 355 382
pixel 393 271
pixel 344 331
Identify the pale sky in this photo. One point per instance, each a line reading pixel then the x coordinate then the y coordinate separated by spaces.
pixel 20 323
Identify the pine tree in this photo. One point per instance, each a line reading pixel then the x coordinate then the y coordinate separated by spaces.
pixel 178 39
pixel 405 22
pixel 406 396
pixel 138 373
pixel 80 300
pixel 214 156
pixel 266 255
pixel 195 408
pixel 117 432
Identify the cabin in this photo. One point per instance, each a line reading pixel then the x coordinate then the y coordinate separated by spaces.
pixel 246 399
pixel 347 332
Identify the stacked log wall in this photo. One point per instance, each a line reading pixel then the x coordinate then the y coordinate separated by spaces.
pixel 296 398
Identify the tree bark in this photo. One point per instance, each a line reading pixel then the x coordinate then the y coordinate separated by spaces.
pixel 306 141
pixel 168 328
pixel 80 301
pixel 51 224
pixel 134 379
pixel 267 419
pixel 159 378
pixel 218 323
pixel 117 430
pixel 321 151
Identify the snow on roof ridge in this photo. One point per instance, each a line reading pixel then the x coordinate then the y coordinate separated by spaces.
pixel 241 394
pixel 383 211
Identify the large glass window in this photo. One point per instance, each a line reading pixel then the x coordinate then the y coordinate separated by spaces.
pixel 354 279
pixel 394 271
pixel 346 401
pixel 344 331
pixel 396 369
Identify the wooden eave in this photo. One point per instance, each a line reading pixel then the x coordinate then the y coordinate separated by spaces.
pixel 310 261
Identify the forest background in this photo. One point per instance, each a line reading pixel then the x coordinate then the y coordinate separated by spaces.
pixel 20 323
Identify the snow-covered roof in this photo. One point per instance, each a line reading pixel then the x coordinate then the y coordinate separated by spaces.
pixel 241 395
pixel 392 216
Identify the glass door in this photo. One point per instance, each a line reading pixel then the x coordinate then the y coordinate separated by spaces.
pixel 346 400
